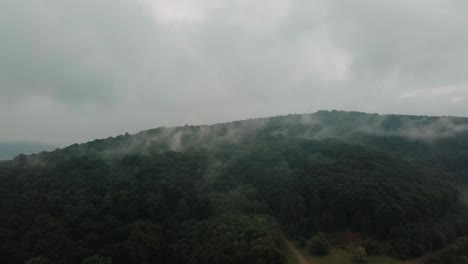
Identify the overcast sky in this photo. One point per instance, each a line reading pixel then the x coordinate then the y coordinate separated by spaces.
pixel 72 71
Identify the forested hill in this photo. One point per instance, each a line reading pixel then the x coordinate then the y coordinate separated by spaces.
pixel 230 193
pixel 440 142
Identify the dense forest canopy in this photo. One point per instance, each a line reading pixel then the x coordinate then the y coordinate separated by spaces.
pixel 231 193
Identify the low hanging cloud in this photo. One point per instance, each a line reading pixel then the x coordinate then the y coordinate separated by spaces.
pixel 455 94
pixel 251 15
pixel 72 71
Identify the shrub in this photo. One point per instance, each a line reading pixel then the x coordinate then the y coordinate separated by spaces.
pixel 400 249
pixel 372 247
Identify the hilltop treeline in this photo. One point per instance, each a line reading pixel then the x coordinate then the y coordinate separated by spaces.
pixel 231 193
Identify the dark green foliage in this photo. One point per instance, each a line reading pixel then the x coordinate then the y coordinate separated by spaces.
pixel 134 209
pixel 230 192
pixel 318 245
pixel 232 239
pixel 96 259
pixel 39 260
pixel 372 247
pixel 401 249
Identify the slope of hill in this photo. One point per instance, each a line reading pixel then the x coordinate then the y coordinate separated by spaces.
pixel 228 193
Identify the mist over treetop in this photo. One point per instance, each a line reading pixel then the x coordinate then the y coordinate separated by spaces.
pixel 351 127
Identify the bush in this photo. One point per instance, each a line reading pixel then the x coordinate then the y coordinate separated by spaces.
pixel 372 247
pixel 401 249
pixel 318 245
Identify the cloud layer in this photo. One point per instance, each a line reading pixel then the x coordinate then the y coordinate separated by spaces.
pixel 72 71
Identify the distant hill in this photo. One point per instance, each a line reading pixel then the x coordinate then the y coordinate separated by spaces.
pixel 8 150
pixel 231 192
pixel 430 140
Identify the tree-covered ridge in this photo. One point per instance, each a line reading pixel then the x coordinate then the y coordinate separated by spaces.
pixel 425 139
pixel 229 193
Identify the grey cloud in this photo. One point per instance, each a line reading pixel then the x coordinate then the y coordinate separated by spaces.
pixel 72 50
pixel 418 41
pixel 77 70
